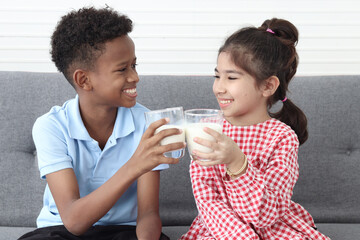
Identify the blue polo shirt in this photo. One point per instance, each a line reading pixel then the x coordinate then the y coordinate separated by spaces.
pixel 62 141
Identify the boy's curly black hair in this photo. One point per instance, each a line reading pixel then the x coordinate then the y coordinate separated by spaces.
pixel 80 37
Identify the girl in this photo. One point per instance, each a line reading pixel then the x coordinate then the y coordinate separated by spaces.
pixel 244 191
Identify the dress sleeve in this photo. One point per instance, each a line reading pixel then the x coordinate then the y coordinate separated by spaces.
pixel 217 215
pixel 262 197
pixel 51 147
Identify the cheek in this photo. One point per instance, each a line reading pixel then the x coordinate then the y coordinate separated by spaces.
pixel 238 93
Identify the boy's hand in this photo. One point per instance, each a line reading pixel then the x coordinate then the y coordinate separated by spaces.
pixel 225 151
pixel 149 153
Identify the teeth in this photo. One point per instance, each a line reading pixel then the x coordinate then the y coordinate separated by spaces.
pixel 225 101
pixel 130 91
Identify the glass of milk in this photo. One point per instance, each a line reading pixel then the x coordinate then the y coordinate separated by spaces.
pixel 196 120
pixel 176 116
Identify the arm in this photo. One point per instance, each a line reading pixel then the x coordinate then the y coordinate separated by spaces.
pixel 271 190
pixel 78 214
pixel 258 197
pixel 148 221
pixel 216 213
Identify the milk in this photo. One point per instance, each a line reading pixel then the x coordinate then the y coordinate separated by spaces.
pixel 196 130
pixel 172 139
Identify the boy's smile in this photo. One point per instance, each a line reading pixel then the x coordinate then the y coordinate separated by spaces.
pixel 131 92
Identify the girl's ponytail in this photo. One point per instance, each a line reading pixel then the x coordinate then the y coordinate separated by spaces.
pixel 287 35
pixel 294 117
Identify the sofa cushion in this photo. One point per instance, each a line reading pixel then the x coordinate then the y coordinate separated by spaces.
pixel 343 231
pixel 24 97
pixel 329 160
pixel 12 233
pixel 173 232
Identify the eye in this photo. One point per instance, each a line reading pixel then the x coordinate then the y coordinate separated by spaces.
pixel 232 78
pixel 122 70
pixel 216 76
pixel 134 65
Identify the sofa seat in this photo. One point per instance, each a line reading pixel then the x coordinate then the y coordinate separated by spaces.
pixel 336 231
pixel 343 231
pixel 13 233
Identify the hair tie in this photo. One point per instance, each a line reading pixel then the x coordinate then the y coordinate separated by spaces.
pixel 284 99
pixel 270 31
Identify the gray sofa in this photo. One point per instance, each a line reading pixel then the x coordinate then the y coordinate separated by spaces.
pixel 329 181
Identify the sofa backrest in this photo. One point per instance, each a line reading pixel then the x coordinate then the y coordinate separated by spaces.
pixel 329 160
pixel 328 185
pixel 24 97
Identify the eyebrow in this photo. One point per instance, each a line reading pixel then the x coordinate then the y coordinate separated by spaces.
pixel 230 71
pixel 125 62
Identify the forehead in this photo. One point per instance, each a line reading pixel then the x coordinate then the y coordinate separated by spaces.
pixel 226 64
pixel 117 50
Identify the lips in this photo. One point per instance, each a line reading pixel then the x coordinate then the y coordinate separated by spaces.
pixel 131 92
pixel 225 102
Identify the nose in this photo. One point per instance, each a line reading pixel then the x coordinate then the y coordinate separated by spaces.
pixel 219 87
pixel 133 76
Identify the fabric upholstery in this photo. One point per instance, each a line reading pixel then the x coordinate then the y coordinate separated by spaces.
pixel 329 160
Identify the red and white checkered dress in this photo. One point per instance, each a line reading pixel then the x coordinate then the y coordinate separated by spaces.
pixel 256 205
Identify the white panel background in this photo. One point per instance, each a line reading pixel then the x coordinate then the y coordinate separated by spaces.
pixel 182 37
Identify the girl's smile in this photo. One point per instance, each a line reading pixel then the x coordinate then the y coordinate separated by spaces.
pixel 224 103
pixel 237 93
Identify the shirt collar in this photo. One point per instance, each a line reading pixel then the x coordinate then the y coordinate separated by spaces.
pixel 124 123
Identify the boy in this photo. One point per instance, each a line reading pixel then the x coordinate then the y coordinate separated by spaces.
pixel 94 151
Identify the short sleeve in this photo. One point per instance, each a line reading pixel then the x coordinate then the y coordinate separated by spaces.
pixel 51 146
pixel 161 167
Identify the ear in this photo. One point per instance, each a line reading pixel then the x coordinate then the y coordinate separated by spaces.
pixel 270 86
pixel 82 80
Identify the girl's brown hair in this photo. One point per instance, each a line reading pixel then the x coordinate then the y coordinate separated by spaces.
pixel 266 51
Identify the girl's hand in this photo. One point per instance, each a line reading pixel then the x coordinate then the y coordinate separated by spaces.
pixel 149 153
pixel 225 151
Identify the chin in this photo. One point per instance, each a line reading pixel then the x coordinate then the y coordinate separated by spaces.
pixel 226 113
pixel 130 105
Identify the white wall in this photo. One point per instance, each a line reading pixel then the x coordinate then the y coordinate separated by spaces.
pixel 182 37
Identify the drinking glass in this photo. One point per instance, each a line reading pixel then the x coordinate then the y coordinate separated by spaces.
pixel 176 117
pixel 196 120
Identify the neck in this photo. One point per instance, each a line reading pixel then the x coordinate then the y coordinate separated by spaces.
pixel 98 121
pixel 248 119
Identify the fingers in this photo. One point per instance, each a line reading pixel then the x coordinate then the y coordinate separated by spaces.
pixel 207 163
pixel 213 133
pixel 168 160
pixel 206 143
pixel 200 155
pixel 166 133
pixel 215 144
pixel 170 147
pixel 155 125
pixel 205 160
